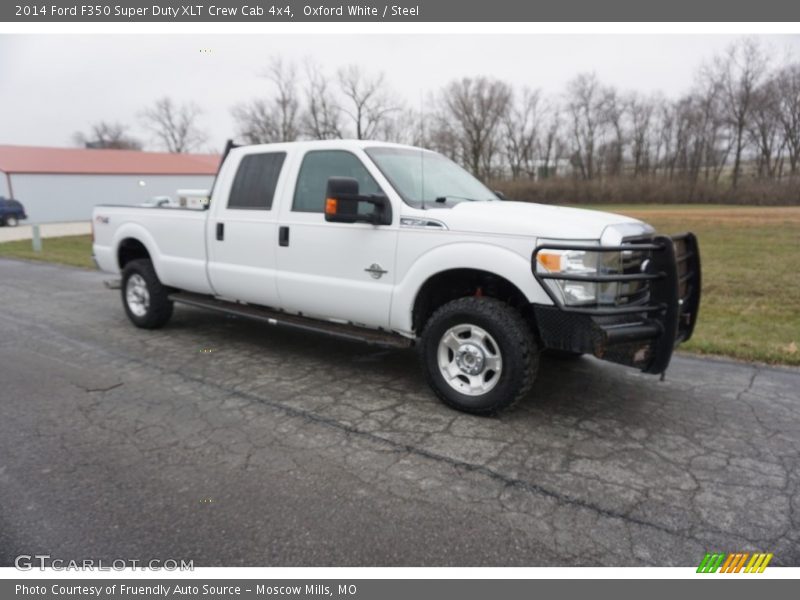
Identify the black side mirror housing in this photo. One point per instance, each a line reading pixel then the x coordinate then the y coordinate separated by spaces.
pixel 500 195
pixel 343 204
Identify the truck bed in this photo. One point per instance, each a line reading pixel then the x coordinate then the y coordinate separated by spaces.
pixel 180 253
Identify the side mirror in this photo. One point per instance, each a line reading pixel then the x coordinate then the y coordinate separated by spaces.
pixel 343 204
pixel 500 195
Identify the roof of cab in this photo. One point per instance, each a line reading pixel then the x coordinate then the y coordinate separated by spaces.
pixel 321 145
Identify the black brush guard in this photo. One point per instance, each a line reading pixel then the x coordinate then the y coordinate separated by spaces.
pixel 641 334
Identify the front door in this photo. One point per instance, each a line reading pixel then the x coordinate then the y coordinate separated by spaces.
pixel 337 271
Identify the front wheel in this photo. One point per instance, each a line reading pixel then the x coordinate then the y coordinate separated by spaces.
pixel 12 221
pixel 479 355
pixel 145 299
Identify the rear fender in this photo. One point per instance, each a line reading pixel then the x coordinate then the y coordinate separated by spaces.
pixel 139 233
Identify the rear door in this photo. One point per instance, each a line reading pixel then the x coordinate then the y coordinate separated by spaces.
pixel 242 234
pixel 336 271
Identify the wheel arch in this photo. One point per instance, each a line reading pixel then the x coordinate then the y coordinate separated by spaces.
pixel 133 242
pixel 476 269
pixel 130 249
pixel 444 286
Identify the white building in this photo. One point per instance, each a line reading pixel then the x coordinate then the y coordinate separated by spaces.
pixel 63 184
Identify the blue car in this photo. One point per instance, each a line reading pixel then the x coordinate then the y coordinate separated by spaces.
pixel 11 211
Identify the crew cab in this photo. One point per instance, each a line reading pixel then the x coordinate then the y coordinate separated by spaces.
pixel 398 245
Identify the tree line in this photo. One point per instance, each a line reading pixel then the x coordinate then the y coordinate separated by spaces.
pixel 740 121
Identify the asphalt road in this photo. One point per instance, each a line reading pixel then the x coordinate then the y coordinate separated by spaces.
pixel 231 443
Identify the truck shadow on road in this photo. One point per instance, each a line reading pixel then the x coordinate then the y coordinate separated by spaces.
pixel 340 367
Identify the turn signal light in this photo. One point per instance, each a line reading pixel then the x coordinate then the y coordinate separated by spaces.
pixel 330 206
pixel 551 262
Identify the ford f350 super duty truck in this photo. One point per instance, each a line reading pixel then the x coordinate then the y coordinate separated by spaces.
pixel 398 245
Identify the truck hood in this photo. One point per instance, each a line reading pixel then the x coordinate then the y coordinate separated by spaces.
pixel 535 220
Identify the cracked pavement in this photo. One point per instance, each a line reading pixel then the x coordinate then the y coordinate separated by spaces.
pixel 233 443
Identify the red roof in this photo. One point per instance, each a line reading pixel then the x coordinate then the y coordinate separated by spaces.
pixel 33 159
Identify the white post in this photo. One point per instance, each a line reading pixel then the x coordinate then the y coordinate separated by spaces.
pixel 36 239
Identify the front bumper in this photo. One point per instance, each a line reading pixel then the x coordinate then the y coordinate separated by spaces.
pixel 641 334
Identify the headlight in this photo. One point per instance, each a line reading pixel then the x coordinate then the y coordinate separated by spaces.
pixel 579 263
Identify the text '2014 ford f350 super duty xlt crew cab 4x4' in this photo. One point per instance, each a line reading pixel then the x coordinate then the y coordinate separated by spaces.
pixel 399 245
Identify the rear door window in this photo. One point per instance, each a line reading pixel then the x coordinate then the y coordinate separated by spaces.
pixel 255 182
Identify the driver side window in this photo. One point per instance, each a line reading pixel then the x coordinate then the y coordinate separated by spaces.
pixel 317 167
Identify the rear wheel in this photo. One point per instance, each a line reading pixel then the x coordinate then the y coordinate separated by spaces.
pixel 145 299
pixel 12 221
pixel 479 355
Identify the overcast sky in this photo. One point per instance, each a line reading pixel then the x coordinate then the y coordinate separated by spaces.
pixel 54 85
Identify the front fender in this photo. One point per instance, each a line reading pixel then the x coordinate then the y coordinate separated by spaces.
pixel 461 255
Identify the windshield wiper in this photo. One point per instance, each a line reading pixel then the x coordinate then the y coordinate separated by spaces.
pixel 443 199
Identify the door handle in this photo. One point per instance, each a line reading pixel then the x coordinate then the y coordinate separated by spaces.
pixel 220 231
pixel 283 236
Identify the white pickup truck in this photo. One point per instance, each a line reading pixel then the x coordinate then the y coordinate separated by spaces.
pixel 398 245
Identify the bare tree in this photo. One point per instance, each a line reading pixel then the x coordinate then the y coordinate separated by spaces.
pixel 273 119
pixel 256 122
pixel 175 125
pixel 764 128
pixel 323 116
pixel 738 74
pixel 407 126
pixel 550 145
pixel 614 114
pixel 586 106
pixel 104 134
pixel 788 110
pixel 642 114
pixel 368 101
pixel 665 139
pixel 287 106
pixel 521 124
pixel 713 141
pixel 739 113
pixel 477 107
pixel 445 137
pixel 686 157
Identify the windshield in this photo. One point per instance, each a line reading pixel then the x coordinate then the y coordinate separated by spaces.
pixel 423 176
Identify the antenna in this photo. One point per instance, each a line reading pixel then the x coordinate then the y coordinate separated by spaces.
pixel 421 151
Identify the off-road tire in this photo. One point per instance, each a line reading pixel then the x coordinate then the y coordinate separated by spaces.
pixel 517 345
pixel 160 306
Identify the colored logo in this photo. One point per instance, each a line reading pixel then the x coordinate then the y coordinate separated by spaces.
pixel 735 562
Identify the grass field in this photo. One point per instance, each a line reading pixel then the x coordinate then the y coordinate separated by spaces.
pixel 74 250
pixel 751 274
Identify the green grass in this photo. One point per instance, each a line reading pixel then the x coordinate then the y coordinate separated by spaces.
pixel 73 250
pixel 751 274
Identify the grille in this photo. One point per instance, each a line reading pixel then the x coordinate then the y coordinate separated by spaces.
pixel 633 292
